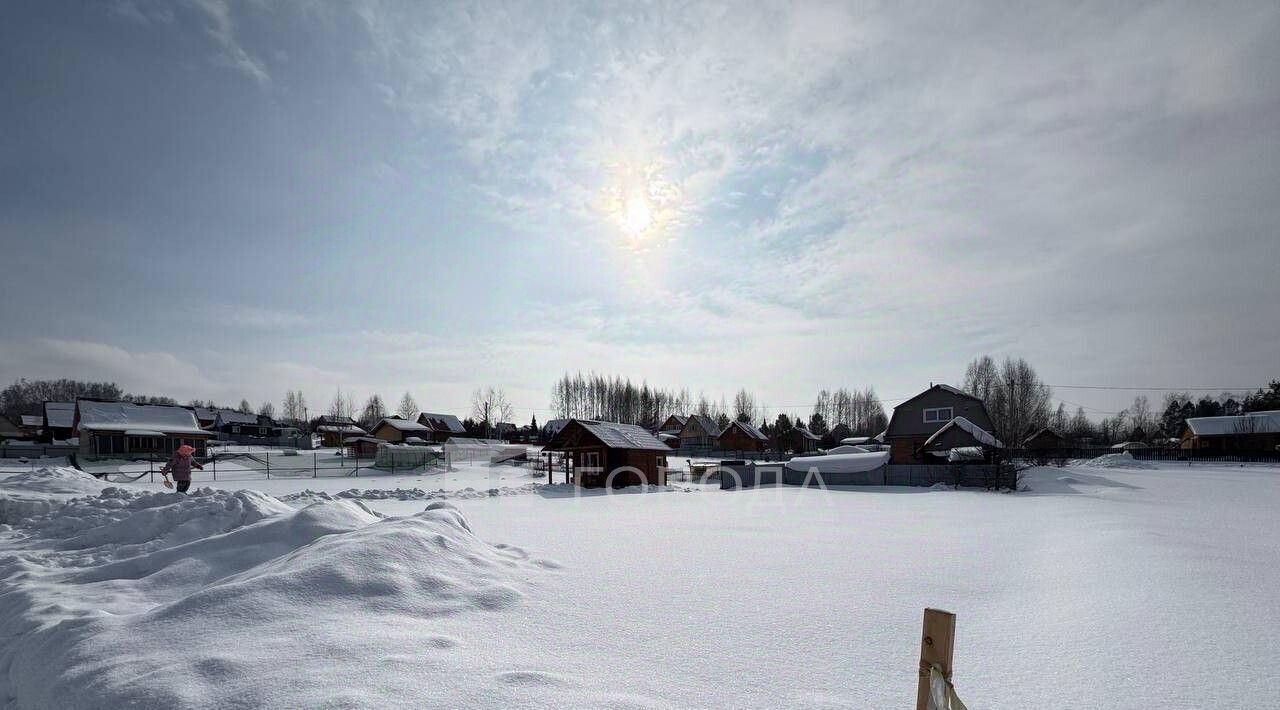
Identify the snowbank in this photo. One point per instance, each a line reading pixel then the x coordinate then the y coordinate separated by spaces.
pixel 1121 460
pixel 33 493
pixel 231 599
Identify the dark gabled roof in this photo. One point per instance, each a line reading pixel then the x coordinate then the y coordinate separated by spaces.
pixel 748 429
pixel 703 422
pixel 336 421
pixel 806 433
pixel 442 422
pixel 611 434
pixel 1044 431
pixel 944 388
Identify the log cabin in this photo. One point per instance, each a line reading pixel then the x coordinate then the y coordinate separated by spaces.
pixel 607 454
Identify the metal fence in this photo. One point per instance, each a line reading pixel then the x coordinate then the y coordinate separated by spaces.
pixel 34 451
pixel 1150 454
pixel 253 465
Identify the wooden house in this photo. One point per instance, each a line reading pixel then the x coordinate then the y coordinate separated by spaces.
pixel 442 427
pixel 741 436
pixel 673 424
pixel 334 430
pixel 397 430
pixel 59 421
pixel 838 434
pixel 699 432
pixel 109 428
pixel 234 423
pixel 1045 440
pixel 32 426
pixel 363 446
pixel 959 433
pixel 1255 432
pixel 611 454
pixel 802 441
pixel 920 417
pixel 9 430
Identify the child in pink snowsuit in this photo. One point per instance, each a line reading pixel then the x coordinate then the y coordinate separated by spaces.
pixel 180 465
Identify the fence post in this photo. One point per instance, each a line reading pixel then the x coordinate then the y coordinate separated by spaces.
pixel 936 645
pixel 267 457
pixel 315 467
pixel 214 458
pixel 151 468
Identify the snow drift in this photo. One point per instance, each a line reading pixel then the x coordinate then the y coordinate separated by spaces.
pixel 837 469
pixel 1120 460
pixel 25 495
pixel 233 599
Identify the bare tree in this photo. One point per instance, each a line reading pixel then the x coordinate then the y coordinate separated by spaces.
pixel 342 405
pixel 489 406
pixel 267 410
pixel 1015 396
pixel 374 411
pixel 245 407
pixel 744 406
pixel 408 408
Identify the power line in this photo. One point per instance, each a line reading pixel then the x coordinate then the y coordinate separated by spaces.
pixel 1154 389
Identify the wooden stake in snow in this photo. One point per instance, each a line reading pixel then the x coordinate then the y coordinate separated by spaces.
pixel 936 644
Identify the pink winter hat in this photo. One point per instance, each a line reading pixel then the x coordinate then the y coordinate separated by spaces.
pixel 186 450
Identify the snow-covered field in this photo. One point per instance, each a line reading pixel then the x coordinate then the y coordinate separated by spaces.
pixel 1099 588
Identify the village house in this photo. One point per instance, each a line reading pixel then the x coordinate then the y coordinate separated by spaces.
pixel 741 436
pixel 1255 432
pixel 32 426
pixel 960 434
pixel 59 422
pixel 9 430
pixel 802 441
pixel 398 431
pixel 334 430
pixel 919 418
pixel 673 424
pixel 699 432
pixel 366 446
pixel 110 428
pixel 1045 439
pixel 442 427
pixel 611 454
pixel 234 423
pixel 837 435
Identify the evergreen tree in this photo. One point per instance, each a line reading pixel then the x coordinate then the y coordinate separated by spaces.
pixel 817 425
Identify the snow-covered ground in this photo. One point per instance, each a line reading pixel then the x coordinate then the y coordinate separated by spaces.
pixel 1098 588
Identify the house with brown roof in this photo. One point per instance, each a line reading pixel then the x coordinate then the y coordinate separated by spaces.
pixel 397 430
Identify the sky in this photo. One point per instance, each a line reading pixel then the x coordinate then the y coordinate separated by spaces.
pixel 215 199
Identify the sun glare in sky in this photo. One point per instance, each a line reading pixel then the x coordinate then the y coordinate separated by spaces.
pixel 640 203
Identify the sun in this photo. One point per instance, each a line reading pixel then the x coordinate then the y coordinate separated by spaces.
pixel 636 216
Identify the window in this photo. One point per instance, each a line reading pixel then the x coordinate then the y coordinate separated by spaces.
pixel 938 414
pixel 591 459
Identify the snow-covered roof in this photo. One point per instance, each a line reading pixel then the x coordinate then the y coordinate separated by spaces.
pixel 60 414
pixel 977 432
pixel 231 416
pixel 341 429
pixel 1126 445
pixel 855 440
pixel 807 434
pixel 464 443
pixel 749 429
pixel 126 416
pixel 402 425
pixel 32 420
pixel 142 432
pixel 442 422
pixel 1252 423
pixel 847 449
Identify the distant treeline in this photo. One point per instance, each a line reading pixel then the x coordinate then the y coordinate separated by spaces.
pixel 28 396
